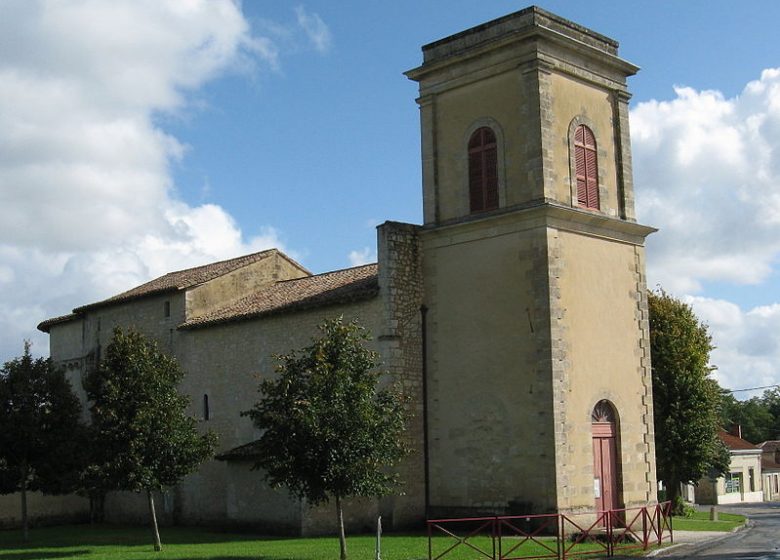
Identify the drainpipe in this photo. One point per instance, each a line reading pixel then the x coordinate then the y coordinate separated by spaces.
pixel 426 461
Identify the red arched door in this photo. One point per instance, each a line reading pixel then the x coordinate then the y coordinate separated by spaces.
pixel 605 466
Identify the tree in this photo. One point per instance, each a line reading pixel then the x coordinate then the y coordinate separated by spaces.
pixel 685 397
pixel 149 442
pixel 39 430
pixel 752 415
pixel 328 430
pixel 771 400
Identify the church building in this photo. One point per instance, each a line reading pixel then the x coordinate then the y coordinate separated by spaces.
pixel 514 318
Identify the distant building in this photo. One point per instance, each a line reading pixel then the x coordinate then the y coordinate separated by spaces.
pixel 515 316
pixel 743 481
pixel 770 469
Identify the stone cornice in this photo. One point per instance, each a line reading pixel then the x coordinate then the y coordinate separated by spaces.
pixel 540 214
pixel 605 60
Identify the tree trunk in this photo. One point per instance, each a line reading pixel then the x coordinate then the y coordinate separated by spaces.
pixel 25 523
pixel 673 495
pixel 155 530
pixel 342 537
pixel 101 507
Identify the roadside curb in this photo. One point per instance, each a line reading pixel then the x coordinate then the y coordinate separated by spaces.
pixel 694 547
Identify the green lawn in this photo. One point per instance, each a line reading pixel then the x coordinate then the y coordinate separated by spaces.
pixel 700 521
pixel 85 542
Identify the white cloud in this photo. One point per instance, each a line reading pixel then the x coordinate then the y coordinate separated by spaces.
pixel 362 256
pixel 316 29
pixel 87 201
pixel 707 174
pixel 747 350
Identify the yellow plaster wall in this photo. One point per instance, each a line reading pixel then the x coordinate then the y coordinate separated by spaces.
pixel 499 101
pixel 598 304
pixel 572 98
pixel 490 405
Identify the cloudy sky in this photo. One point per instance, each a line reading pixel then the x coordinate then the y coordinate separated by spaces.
pixel 143 136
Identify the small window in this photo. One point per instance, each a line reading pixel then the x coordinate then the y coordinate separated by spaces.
pixel 586 167
pixel 167 309
pixel 752 479
pixel 206 411
pixel 733 483
pixel 483 170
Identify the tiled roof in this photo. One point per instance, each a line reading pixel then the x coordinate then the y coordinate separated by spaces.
pixel 181 279
pixel 246 452
pixel 735 443
pixel 770 446
pixel 49 323
pixel 769 465
pixel 340 286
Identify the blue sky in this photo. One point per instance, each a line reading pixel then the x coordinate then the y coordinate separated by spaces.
pixel 142 137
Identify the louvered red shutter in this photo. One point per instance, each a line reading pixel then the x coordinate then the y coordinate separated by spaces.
pixel 483 170
pixel 475 181
pixel 591 169
pixel 586 167
pixel 490 178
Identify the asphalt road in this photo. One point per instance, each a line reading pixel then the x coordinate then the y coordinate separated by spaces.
pixel 759 541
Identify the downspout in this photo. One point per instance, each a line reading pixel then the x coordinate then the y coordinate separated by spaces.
pixel 426 460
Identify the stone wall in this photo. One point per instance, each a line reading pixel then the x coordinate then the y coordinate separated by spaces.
pixel 400 345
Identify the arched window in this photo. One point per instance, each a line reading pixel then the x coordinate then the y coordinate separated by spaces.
pixel 603 412
pixel 483 170
pixel 587 168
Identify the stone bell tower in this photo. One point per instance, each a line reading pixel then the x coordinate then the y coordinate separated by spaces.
pixel 538 365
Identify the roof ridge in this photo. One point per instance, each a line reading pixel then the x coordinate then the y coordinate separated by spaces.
pixel 326 273
pixel 215 263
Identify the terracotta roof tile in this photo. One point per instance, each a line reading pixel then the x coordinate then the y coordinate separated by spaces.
pixel 735 443
pixel 49 323
pixel 181 279
pixel 340 286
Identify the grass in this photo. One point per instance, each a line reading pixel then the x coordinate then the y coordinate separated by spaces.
pixel 107 542
pixel 700 521
pixel 111 542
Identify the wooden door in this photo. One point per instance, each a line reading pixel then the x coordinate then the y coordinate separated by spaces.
pixel 605 465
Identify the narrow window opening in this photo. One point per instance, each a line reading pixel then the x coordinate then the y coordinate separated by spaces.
pixel 586 167
pixel 206 411
pixel 483 170
pixel 167 309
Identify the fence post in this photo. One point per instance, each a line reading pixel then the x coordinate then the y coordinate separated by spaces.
pixel 496 531
pixel 561 537
pixel 430 548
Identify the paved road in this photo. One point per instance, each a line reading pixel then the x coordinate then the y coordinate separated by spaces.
pixel 759 541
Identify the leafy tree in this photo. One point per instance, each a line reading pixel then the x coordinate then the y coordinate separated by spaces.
pixel 139 419
pixel 685 397
pixel 771 400
pixel 328 430
pixel 39 430
pixel 753 415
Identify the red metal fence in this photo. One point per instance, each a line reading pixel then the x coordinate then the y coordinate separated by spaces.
pixel 555 536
